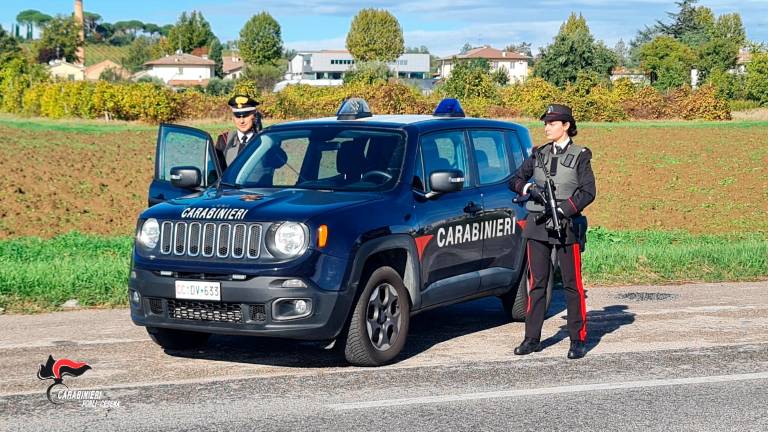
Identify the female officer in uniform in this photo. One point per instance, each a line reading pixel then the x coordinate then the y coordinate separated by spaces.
pixel 569 167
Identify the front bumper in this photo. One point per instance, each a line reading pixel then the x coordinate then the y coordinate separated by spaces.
pixel 245 308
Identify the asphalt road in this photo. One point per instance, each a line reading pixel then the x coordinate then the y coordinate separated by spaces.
pixel 690 357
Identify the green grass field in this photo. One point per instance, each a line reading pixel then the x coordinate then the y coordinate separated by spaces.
pixel 39 275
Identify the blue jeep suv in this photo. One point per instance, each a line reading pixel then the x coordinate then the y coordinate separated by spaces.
pixel 335 229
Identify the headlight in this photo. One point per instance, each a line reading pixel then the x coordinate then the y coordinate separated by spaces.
pixel 149 234
pixel 287 239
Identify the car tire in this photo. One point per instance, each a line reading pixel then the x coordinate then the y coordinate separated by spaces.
pixel 378 328
pixel 177 339
pixel 515 301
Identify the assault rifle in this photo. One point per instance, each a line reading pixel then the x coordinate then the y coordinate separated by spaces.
pixel 550 211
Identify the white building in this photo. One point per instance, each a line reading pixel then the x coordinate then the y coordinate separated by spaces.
pixel 515 64
pixel 61 69
pixel 181 70
pixel 233 66
pixel 333 64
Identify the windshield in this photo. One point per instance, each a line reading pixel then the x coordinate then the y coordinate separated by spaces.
pixel 330 158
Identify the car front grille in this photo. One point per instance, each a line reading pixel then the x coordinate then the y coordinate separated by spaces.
pixel 204 311
pixel 223 240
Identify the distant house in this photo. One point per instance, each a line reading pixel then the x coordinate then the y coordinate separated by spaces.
pixel 636 76
pixel 232 66
pixel 181 70
pixel 67 71
pixel 745 56
pixel 515 64
pixel 330 66
pixel 93 72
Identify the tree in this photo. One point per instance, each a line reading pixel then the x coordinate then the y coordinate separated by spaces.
pixel 32 19
pixel 139 52
pixel 500 76
pixel 262 76
pixel 669 62
pixel 622 52
pixel 521 48
pixel 190 32
pixel 375 35
pixel 151 29
pixel 91 22
pixel 261 42
pixel 9 48
pixel 757 77
pixel 368 73
pixel 215 51
pixel 466 48
pixel 469 78
pixel 60 39
pixel 574 49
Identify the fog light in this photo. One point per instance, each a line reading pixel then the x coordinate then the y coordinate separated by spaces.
pixel 133 274
pixel 289 309
pixel 294 283
pixel 135 297
pixel 301 307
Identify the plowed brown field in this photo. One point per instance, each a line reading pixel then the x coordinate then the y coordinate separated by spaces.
pixel 700 178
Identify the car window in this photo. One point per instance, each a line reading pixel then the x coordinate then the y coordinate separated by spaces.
pixel 186 148
pixel 517 149
pixel 491 155
pixel 329 158
pixel 444 151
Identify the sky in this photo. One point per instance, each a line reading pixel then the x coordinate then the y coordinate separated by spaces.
pixel 443 26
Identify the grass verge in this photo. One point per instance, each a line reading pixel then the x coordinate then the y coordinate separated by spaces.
pixel 39 275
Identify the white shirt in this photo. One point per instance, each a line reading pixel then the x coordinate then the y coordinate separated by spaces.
pixel 560 146
pixel 247 136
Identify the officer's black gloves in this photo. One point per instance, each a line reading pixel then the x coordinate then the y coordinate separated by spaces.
pixel 536 193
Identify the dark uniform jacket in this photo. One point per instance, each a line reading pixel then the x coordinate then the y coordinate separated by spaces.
pixel 572 206
pixel 229 140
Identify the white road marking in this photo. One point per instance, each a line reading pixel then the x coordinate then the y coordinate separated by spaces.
pixel 549 391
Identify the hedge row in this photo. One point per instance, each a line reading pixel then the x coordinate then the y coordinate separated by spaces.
pixel 152 103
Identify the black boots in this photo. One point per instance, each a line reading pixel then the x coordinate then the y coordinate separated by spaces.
pixel 577 351
pixel 528 346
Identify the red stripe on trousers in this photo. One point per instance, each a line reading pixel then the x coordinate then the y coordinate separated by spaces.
pixel 580 288
pixel 530 278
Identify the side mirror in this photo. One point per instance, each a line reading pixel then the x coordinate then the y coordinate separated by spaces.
pixel 446 181
pixel 186 177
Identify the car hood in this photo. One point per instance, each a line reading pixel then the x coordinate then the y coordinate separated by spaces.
pixel 257 204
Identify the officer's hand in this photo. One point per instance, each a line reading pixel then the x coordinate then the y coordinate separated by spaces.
pixel 536 194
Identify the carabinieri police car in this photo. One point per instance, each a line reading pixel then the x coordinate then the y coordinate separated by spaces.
pixel 334 229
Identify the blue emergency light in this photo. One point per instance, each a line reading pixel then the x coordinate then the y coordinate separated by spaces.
pixel 353 109
pixel 449 107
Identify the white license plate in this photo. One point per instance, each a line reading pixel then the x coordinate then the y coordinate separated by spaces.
pixel 198 290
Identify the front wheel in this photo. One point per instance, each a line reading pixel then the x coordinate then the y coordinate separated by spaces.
pixel 177 339
pixel 379 324
pixel 515 301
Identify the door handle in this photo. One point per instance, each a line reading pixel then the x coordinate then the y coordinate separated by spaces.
pixel 472 207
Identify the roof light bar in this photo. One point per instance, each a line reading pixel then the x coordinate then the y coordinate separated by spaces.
pixel 449 107
pixel 353 109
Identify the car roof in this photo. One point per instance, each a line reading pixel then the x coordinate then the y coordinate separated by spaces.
pixel 423 123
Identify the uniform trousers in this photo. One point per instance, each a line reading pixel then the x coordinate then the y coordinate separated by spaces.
pixel 569 256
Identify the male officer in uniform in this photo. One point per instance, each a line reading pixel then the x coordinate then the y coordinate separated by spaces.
pixel 247 123
pixel 570 168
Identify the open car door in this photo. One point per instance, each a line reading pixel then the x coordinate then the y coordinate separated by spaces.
pixel 185 163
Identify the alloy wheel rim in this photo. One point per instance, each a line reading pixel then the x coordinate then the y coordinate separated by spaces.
pixel 383 317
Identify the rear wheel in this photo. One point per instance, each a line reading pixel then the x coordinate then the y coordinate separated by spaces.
pixel 177 339
pixel 379 324
pixel 515 301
